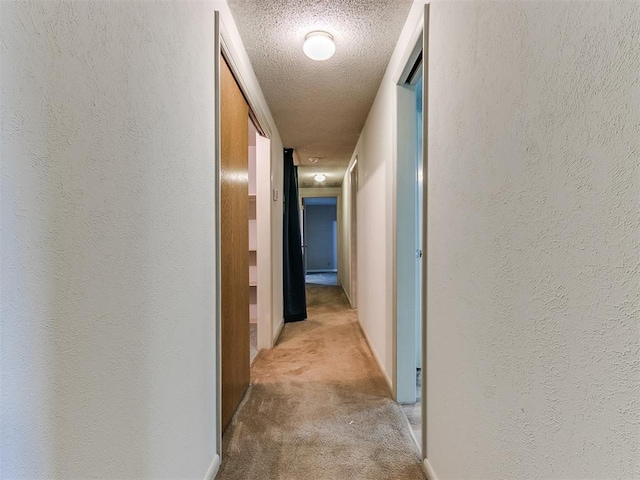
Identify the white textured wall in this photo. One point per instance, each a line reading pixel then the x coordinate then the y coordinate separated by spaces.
pixel 107 240
pixel 374 247
pixel 534 240
pixel 376 152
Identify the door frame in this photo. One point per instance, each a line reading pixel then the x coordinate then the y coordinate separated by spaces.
pixel 234 268
pixel 304 224
pixel 217 234
pixel 353 234
pixel 224 44
pixel 313 192
pixel 419 44
pixel 425 229
pixel 407 282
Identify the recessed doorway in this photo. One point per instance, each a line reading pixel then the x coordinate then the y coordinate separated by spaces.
pixel 320 240
pixel 409 245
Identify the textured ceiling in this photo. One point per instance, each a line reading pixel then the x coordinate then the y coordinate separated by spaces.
pixel 320 107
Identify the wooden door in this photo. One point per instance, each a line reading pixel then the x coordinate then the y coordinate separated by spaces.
pixel 234 232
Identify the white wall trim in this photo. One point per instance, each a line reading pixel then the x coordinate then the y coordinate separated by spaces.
pixel 377 358
pixel 428 469
pixel 238 59
pixel 426 19
pixel 264 237
pixel 405 229
pixel 217 234
pixel 213 468
pixel 347 295
pixel 236 55
pixel 399 59
pixel 278 332
pixel 397 70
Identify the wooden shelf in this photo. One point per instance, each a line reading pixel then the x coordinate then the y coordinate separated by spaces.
pixel 253 238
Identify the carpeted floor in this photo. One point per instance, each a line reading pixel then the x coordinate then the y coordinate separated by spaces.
pixel 319 407
pixel 323 278
pixel 413 411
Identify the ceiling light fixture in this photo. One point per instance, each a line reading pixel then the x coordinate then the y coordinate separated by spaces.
pixel 319 46
pixel 320 177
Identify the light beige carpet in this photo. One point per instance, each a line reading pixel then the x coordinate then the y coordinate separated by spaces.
pixel 319 407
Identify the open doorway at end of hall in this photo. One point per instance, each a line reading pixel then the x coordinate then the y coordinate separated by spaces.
pixel 320 240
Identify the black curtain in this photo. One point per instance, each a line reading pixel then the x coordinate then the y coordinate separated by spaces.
pixel 295 301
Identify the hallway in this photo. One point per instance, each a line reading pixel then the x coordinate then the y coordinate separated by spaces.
pixel 319 407
pixel 111 260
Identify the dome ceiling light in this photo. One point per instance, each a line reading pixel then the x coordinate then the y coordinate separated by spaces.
pixel 319 46
pixel 320 177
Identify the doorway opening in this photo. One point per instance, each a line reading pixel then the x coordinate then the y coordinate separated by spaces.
pixel 234 242
pixel 320 240
pixel 410 245
pixel 243 238
pixel 259 257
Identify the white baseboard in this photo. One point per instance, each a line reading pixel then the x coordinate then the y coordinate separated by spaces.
pixel 346 294
pixel 377 358
pixel 428 469
pixel 213 468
